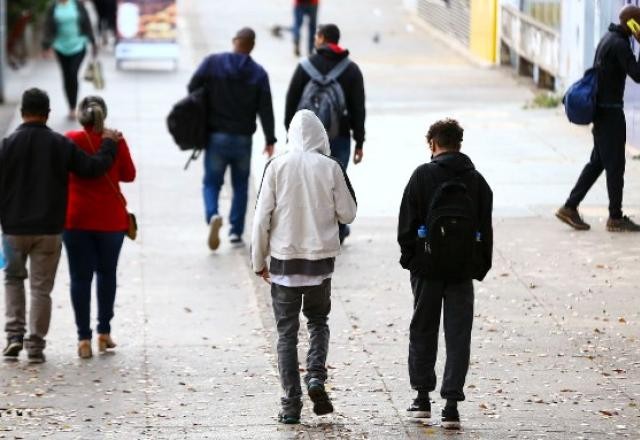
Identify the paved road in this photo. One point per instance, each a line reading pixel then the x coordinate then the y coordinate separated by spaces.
pixel 555 348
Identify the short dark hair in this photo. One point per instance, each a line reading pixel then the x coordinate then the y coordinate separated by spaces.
pixel 35 102
pixel 447 133
pixel 330 32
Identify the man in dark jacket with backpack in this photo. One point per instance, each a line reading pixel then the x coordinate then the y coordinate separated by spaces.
pixel 446 240
pixel 341 110
pixel 615 59
pixel 238 90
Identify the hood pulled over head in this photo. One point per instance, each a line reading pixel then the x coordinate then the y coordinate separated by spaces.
pixel 306 133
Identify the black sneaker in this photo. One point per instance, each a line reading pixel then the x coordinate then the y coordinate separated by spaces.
pixel 321 402
pixel 571 217
pixel 450 418
pixel 624 224
pixel 288 419
pixel 36 357
pixel 236 241
pixel 13 348
pixel 419 409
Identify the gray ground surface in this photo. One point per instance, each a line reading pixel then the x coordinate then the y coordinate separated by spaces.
pixel 555 348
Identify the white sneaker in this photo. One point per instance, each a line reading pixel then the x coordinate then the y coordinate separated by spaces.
pixel 214 232
pixel 236 241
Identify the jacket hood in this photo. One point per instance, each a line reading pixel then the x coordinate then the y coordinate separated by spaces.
pixel 618 29
pixel 236 65
pixel 306 133
pixel 455 161
pixel 333 52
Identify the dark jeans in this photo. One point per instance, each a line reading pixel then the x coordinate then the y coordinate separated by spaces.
pixel 88 253
pixel 315 302
pixel 70 65
pixel 609 138
pixel 424 330
pixel 298 17
pixel 341 151
pixel 227 150
pixel 107 13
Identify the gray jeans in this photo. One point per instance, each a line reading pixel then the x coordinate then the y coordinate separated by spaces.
pixel 43 253
pixel 315 302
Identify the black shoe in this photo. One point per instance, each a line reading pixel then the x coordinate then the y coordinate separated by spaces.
pixel 450 418
pixel 624 224
pixel 288 419
pixel 571 217
pixel 419 409
pixel 36 357
pixel 13 348
pixel 236 241
pixel 321 402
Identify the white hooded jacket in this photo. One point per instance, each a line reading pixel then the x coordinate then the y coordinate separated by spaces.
pixel 303 195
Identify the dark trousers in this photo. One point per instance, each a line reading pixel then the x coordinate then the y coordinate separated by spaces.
pixel 429 296
pixel 70 65
pixel 299 12
pixel 107 13
pixel 88 253
pixel 341 151
pixel 315 302
pixel 609 138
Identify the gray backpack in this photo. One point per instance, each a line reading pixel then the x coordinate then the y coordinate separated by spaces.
pixel 324 96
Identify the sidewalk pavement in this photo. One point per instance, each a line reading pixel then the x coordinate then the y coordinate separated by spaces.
pixel 555 352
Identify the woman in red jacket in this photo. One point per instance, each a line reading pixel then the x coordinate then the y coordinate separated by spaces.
pixel 96 223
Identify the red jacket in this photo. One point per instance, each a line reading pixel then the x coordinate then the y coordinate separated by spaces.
pixel 306 2
pixel 94 205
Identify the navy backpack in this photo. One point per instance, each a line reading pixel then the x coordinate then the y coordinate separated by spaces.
pixel 580 100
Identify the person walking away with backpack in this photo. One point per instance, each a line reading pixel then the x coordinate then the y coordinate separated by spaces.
pixel 446 240
pixel 303 195
pixel 68 31
pixel 238 90
pixel 331 85
pixel 35 163
pixel 97 220
pixel 302 9
pixel 616 60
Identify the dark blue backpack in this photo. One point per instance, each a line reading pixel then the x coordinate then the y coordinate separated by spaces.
pixel 580 100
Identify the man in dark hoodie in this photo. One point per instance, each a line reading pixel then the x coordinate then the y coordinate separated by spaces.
pixel 238 90
pixel 429 244
pixel 35 163
pixel 616 60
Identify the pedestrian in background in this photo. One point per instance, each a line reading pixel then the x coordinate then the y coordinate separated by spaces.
pixel 349 108
pixel 107 11
pixel 35 163
pixel 238 90
pixel 97 220
pixel 302 9
pixel 303 195
pixel 68 32
pixel 446 240
pixel 616 60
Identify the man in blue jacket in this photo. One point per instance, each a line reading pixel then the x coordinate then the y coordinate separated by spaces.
pixel 238 90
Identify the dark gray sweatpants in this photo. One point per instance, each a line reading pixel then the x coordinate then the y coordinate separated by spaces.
pixel 315 303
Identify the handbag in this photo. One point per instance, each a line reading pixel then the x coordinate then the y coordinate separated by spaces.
pixel 94 74
pixel 132 227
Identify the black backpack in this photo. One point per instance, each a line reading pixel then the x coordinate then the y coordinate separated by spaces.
pixel 452 235
pixel 187 122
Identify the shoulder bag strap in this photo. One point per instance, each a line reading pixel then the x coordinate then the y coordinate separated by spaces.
pixel 106 176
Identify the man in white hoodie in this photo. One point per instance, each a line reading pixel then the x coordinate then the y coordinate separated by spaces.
pixel 304 194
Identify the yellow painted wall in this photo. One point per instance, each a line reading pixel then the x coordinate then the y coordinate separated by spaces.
pixel 484 17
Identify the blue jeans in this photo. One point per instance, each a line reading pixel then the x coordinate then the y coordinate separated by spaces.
pixel 88 253
pixel 298 17
pixel 223 150
pixel 341 151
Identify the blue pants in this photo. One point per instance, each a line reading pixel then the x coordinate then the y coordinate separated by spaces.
pixel 225 150
pixel 88 253
pixel 341 151
pixel 298 17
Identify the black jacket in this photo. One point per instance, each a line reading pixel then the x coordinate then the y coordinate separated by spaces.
pixel 34 171
pixel 617 61
pixel 51 28
pixel 417 196
pixel 351 82
pixel 238 91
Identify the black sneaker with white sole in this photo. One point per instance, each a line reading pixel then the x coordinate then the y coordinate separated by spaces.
pixel 450 418
pixel 321 402
pixel 13 348
pixel 36 357
pixel 419 409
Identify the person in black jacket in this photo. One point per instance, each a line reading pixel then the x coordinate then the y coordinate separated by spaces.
pixel 328 55
pixel 238 90
pixel 68 31
pixel 34 170
pixel 616 60
pixel 431 290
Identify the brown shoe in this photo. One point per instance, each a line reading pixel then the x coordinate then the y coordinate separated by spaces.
pixel 624 224
pixel 105 342
pixel 571 217
pixel 84 349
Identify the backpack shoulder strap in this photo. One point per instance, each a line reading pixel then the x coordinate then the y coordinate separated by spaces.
pixel 311 70
pixel 331 76
pixel 338 69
